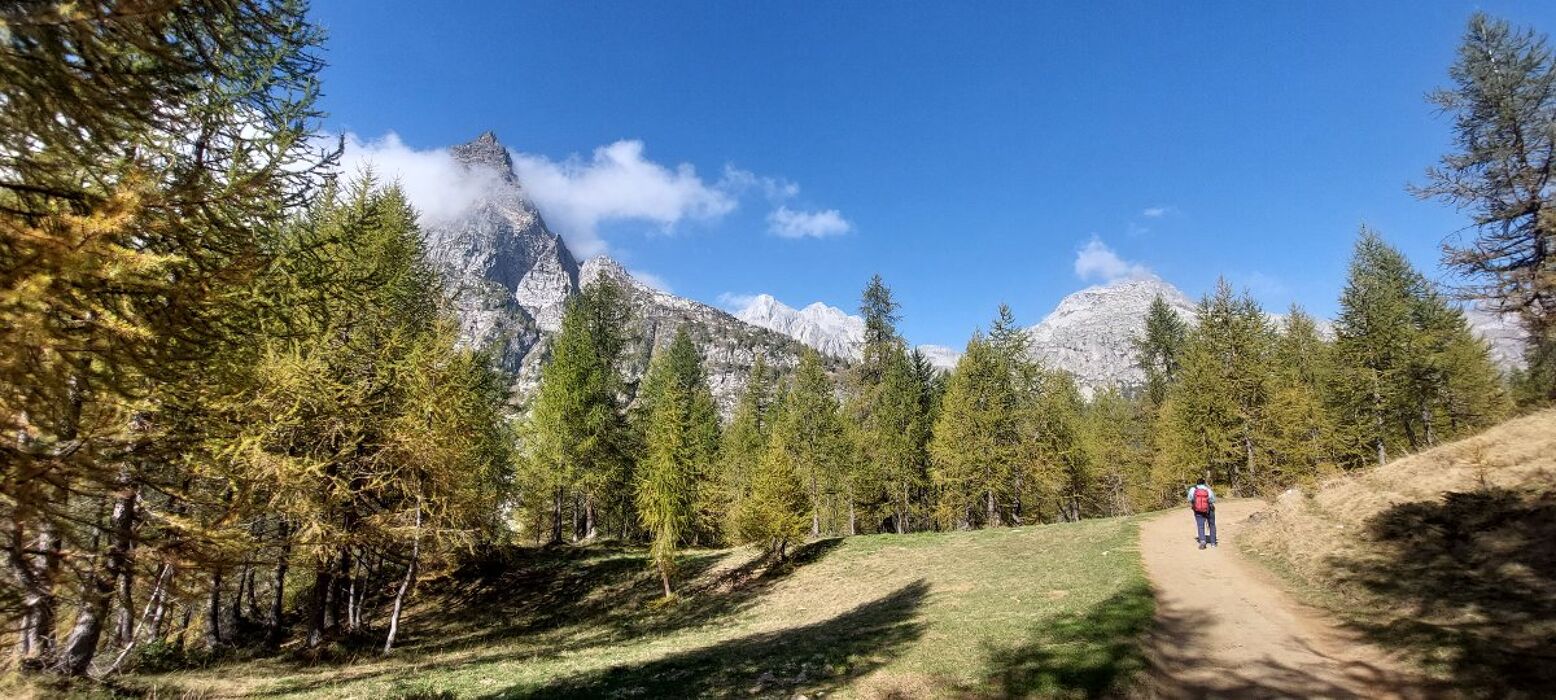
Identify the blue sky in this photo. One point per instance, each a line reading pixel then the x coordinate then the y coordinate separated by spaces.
pixel 967 152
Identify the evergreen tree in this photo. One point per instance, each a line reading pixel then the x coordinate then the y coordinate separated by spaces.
pixel 1504 114
pixel 894 442
pixel 666 494
pixel 880 313
pixel 1158 347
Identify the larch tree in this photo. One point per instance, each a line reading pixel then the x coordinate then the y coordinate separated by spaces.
pixel 147 155
pixel 743 443
pixel 974 448
pixel 1158 347
pixel 680 445
pixel 815 437
pixel 1502 101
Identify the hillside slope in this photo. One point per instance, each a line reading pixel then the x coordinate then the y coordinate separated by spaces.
pixel 1056 610
pixel 1447 557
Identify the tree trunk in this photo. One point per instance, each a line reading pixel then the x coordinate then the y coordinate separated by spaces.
pixel 590 526
pixel 213 612
pixel 664 576
pixel 556 517
pixel 278 589
pixel 405 585
pixel 318 600
pixel 81 645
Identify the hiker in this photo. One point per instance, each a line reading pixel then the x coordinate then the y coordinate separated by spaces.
pixel 1203 501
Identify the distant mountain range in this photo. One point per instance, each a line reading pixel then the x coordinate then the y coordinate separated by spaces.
pixel 510 277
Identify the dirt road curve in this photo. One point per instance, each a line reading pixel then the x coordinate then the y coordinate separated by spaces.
pixel 1225 628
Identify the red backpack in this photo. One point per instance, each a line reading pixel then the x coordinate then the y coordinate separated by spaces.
pixel 1201 499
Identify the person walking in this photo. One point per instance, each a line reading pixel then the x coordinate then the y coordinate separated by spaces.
pixel 1203 501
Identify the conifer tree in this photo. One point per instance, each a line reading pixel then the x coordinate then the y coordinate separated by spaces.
pixel 677 372
pixel 577 432
pixel 1058 442
pixel 1213 420
pixel 814 435
pixel 1409 372
pixel 1300 438
pixel 773 515
pixel 1117 440
pixel 743 444
pixel 1504 115
pixel 974 448
pixel 680 445
pixel 1158 347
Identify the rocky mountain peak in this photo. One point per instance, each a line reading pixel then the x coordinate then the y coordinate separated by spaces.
pixel 1090 334
pixel 485 151
pixel 828 329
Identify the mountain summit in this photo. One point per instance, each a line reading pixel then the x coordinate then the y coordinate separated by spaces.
pixel 1090 334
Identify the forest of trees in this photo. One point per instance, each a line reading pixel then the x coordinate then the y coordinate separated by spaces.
pixel 237 413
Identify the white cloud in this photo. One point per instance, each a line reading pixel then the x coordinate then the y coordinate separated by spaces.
pixel 1157 212
pixel 735 302
pixel 1096 261
pixel 790 223
pixel 775 189
pixel 436 184
pixel 616 184
pixel 651 279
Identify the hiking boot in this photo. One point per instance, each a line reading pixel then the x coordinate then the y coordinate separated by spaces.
pixel 1215 544
pixel 1202 545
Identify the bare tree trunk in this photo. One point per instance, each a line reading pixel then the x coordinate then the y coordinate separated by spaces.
pixel 318 600
pixel 278 588
pixel 213 612
pixel 556 517
pixel 81 645
pixel 405 585
pixel 590 527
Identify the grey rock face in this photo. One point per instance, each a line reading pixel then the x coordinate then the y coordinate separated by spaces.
pixel 508 274
pixel 728 345
pixel 830 330
pixel 510 277
pixel 1090 334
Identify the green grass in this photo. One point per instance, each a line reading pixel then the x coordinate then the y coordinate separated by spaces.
pixel 1055 610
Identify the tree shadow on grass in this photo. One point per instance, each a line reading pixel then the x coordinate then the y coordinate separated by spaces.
pixel 611 589
pixel 1474 574
pixel 1096 653
pixel 817 657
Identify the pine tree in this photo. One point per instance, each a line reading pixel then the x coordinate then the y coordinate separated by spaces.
pixel 1058 441
pixel 1158 348
pixel 1504 112
pixel 895 441
pixel 880 313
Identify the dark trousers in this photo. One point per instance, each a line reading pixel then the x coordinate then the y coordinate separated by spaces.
pixel 1200 519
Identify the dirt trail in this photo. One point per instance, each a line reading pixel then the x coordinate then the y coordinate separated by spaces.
pixel 1225 628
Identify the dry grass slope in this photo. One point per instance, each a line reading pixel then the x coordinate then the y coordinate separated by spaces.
pixel 1447 556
